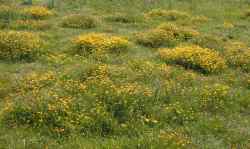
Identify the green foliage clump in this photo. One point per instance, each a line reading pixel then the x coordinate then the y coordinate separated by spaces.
pixel 123 18
pixel 247 13
pixel 180 33
pixel 7 12
pixel 177 113
pixel 156 38
pixel 209 41
pixel 30 25
pixel 79 21
pixel 19 45
pixel 171 15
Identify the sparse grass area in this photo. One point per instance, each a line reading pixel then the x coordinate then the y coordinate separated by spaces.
pixel 125 74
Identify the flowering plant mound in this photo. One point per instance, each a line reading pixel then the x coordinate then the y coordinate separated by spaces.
pixel 169 15
pixel 195 57
pixel 156 38
pixel 37 12
pixel 30 24
pixel 19 45
pixel 79 21
pixel 180 33
pixel 99 42
pixel 238 54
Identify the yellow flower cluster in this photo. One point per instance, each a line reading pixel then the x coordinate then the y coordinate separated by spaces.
pixel 30 24
pixel 195 57
pixel 37 12
pixel 156 38
pixel 79 21
pixel 238 54
pixel 167 14
pixel 19 45
pixel 213 97
pixel 228 25
pixel 100 42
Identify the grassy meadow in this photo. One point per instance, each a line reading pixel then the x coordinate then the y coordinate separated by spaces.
pixel 125 74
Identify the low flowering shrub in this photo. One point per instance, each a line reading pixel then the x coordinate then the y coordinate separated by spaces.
pixel 94 42
pixel 171 15
pixel 180 33
pixel 195 57
pixel 30 25
pixel 37 12
pixel 237 54
pixel 156 38
pixel 166 34
pixel 79 21
pixel 19 45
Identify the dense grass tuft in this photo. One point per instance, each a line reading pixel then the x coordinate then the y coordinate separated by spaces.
pixel 79 21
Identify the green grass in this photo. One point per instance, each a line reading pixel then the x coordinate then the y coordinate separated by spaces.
pixel 130 99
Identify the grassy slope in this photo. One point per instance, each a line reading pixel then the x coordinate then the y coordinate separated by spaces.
pixel 211 130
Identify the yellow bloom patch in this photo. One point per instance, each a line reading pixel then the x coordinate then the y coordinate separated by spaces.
pixel 195 57
pixel 100 42
pixel 37 12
